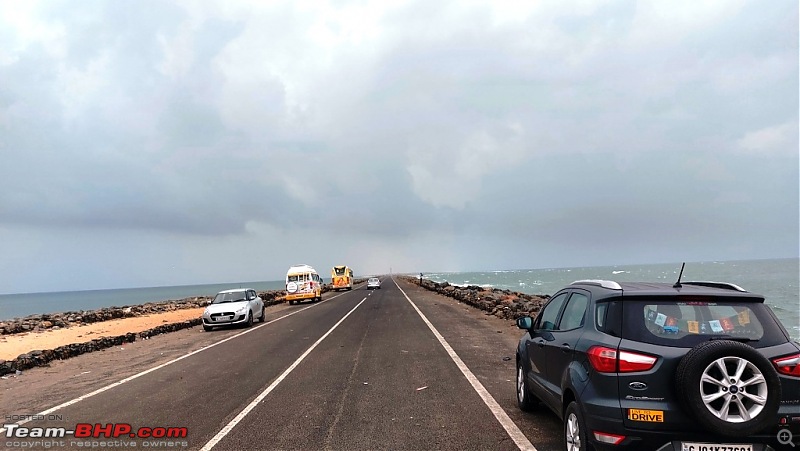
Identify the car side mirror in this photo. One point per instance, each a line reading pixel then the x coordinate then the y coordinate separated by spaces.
pixel 525 322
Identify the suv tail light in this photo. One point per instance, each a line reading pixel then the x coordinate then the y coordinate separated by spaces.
pixel 605 437
pixel 789 366
pixel 609 360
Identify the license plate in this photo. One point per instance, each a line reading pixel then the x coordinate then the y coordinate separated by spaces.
pixel 692 446
pixel 224 318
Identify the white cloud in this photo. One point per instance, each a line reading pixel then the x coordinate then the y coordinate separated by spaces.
pixel 776 139
pixel 451 177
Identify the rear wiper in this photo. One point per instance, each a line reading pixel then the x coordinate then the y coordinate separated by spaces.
pixel 728 337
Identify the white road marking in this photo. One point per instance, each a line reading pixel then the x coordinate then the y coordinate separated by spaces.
pixel 502 417
pixel 138 375
pixel 228 427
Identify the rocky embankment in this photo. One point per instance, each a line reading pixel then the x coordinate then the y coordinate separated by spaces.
pixel 503 304
pixel 43 322
pixel 54 321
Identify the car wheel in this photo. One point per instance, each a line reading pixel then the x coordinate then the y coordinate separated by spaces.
pixel 575 437
pixel 249 322
pixel 263 315
pixel 525 401
pixel 729 387
pixel 291 302
pixel 207 328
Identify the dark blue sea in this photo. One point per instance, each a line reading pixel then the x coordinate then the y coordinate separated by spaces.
pixel 777 279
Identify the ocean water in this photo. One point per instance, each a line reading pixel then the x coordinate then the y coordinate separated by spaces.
pixel 778 280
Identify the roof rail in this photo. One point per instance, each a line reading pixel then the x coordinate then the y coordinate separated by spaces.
pixel 722 285
pixel 610 284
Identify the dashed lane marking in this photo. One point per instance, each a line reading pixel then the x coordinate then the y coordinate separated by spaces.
pixel 228 427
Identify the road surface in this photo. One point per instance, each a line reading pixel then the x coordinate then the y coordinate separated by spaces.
pixel 395 368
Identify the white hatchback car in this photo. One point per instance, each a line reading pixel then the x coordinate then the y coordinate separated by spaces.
pixel 374 283
pixel 234 307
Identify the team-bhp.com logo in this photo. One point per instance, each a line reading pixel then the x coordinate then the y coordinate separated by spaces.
pixel 97 430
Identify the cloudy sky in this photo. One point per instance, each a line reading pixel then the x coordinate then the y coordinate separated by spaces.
pixel 150 143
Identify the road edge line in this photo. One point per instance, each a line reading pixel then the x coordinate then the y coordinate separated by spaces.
pixel 158 367
pixel 502 417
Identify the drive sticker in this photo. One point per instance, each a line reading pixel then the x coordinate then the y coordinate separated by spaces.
pixel 661 319
pixel 744 317
pixel 727 324
pixel 715 326
pixel 694 327
pixel 652 416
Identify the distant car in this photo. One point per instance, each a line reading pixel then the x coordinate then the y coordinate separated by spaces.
pixel 374 283
pixel 234 307
pixel 632 365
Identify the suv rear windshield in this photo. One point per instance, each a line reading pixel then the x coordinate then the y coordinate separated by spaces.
pixel 677 322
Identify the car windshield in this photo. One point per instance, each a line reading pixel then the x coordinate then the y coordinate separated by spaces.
pixel 235 296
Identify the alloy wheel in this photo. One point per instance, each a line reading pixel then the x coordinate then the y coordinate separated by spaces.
pixel 573 433
pixel 733 389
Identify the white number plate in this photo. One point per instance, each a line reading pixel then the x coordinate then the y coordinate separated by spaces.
pixel 224 318
pixel 692 446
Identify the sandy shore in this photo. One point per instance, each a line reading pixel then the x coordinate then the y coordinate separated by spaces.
pixel 13 345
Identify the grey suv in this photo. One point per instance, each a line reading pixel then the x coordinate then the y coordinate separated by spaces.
pixel 694 366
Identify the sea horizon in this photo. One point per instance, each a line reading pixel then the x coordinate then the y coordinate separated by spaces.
pixel 777 279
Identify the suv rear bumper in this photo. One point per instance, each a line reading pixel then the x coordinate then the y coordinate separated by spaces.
pixel 608 420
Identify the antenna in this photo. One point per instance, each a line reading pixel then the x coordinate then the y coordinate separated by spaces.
pixel 678 283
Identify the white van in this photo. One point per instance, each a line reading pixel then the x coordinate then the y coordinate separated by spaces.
pixel 303 282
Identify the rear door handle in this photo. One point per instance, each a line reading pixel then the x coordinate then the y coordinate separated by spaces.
pixel 540 343
pixel 565 348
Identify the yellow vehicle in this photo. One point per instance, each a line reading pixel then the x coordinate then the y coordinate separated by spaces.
pixel 303 282
pixel 342 278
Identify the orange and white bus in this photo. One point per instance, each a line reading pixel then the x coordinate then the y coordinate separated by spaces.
pixel 342 278
pixel 303 282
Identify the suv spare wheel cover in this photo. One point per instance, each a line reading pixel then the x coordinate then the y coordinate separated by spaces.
pixel 729 387
pixel 291 287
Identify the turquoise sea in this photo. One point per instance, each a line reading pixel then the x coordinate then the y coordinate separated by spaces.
pixel 778 280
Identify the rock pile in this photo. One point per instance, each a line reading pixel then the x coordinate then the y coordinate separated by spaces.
pixel 41 358
pixel 45 321
pixel 38 323
pixel 503 304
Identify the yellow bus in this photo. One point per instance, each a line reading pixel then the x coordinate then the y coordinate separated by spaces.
pixel 342 278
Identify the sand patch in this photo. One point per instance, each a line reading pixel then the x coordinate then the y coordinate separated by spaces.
pixel 13 345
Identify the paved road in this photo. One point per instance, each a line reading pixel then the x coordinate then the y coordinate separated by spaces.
pixel 395 368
